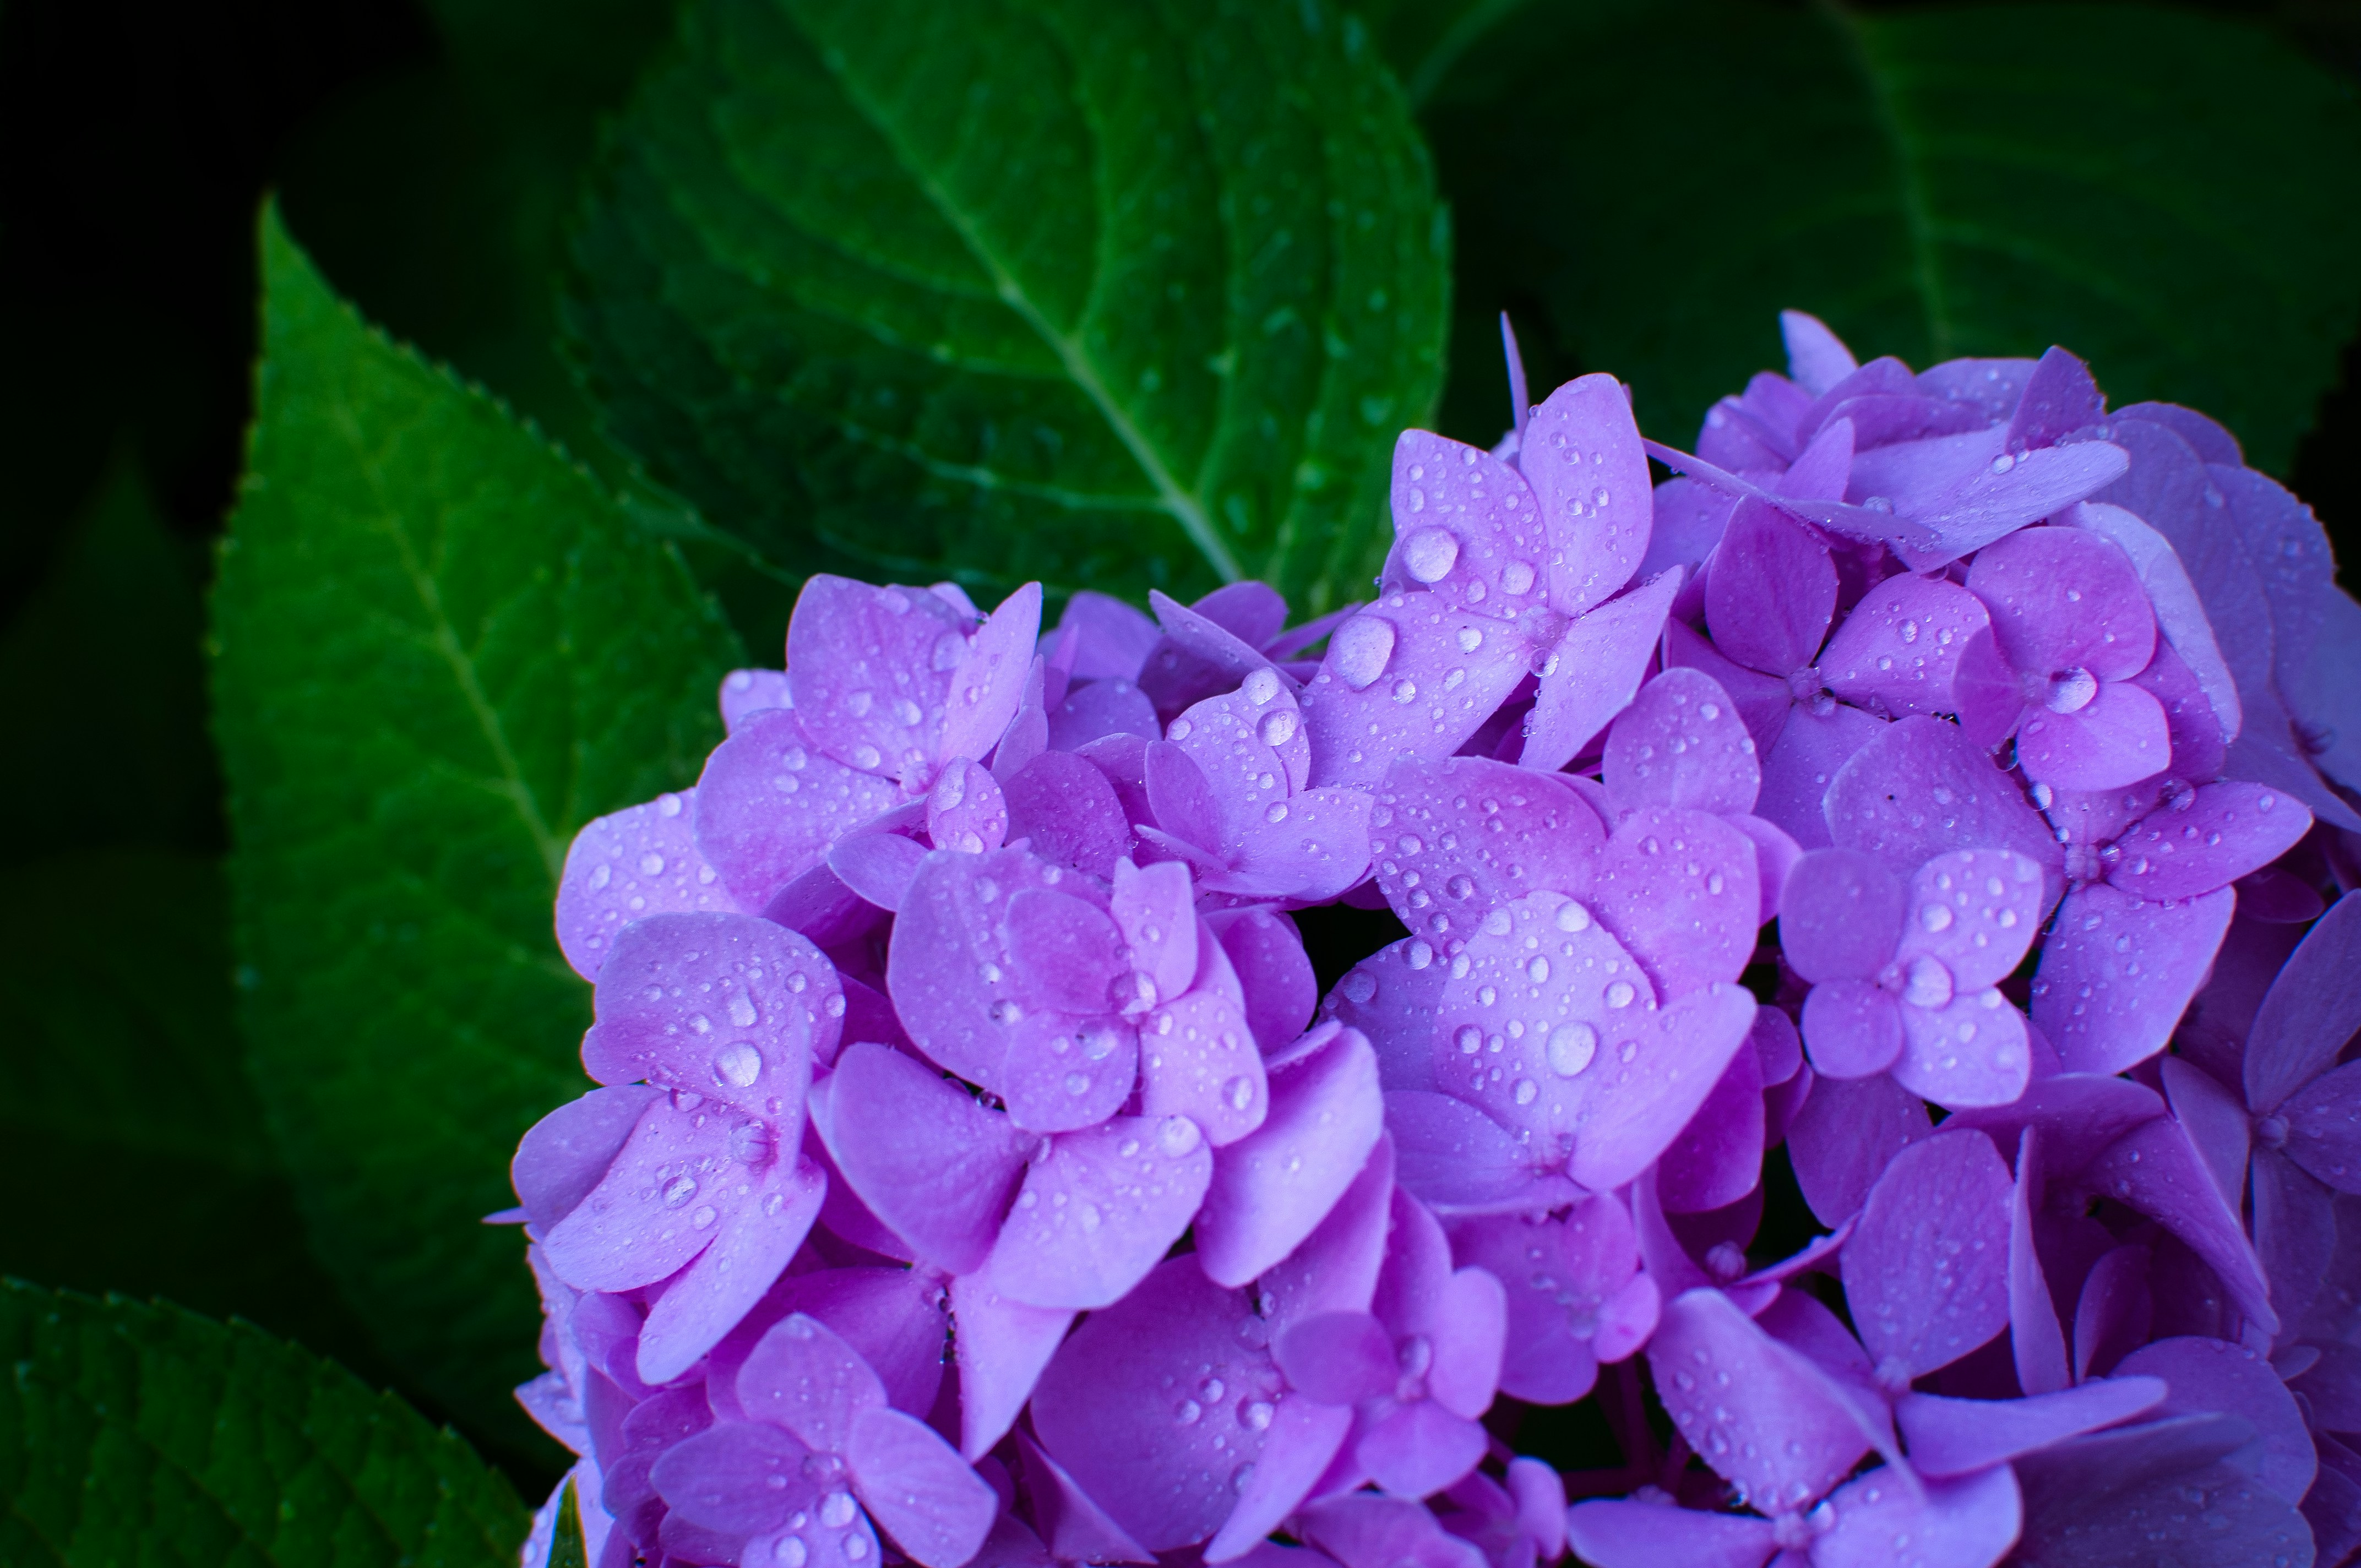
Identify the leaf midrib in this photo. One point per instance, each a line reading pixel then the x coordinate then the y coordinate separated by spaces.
pixel 1178 502
pixel 1917 221
pixel 444 638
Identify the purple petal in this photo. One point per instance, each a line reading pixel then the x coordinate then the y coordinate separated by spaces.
pixel 877 866
pixel 2060 397
pixel 1559 1273
pixel 1618 1533
pixel 1920 787
pixel 871 669
pixel 1460 1160
pixel 1689 522
pixel 1556 837
pixel 984 690
pixel 1592 673
pixel 1958 1437
pixel 1680 744
pixel 2117 1310
pixel 1417 1449
pixel 1474 1317
pixel 757 1233
pixel 1679 888
pixel 1845 1136
pixel 1098 1211
pixel 2036 1343
pixel 2295 1228
pixel 1361 1530
pixel 966 810
pixel 1975 912
pixel 1158 1453
pixel 1201 1062
pixel 821 1546
pixel 1069 812
pixel 1925 1272
pixel 1097 708
pixel 1154 909
pixel 1112 638
pixel 2096 1501
pixel 1337 1267
pixel 1775 856
pixel 1310 849
pixel 1817 358
pixel 565 1155
pixel 739 1477
pixel 804 1377
pixel 1762 1416
pixel 2313 1008
pixel 1003 1345
pixel 2116 973
pixel 892 1317
pixel 1266 954
pixel 931 1162
pixel 1821 470
pixel 639 1223
pixel 1991 387
pixel 2180 609
pixel 1270 1189
pixel 1969 514
pixel 2216 1123
pixel 2214 1376
pixel 1077 1530
pixel 1771 591
pixel 2154 1168
pixel 1304 1439
pixel 1250 743
pixel 1898 650
pixel 1062 950
pixel 948 966
pixel 1337 1358
pixel 1581 455
pixel 1811 750
pixel 1028 735
pixel 627 866
pixel 1197 657
pixel 770 803
pixel 1717 1158
pixel 1462 520
pixel 2063 599
pixel 2323 1127
pixel 1840 916
pixel 751 691
pixel 1380 691
pixel 1973 1050
pixel 2120 738
pixel 1967 1523
pixel 913 1483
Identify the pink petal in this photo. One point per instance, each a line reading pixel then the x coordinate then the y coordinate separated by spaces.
pixel 1920 787
pixel 1761 1415
pixel 1899 647
pixel 1771 593
pixel 2116 973
pixel 1064 951
pixel 1616 1533
pixel 627 866
pixel 1267 953
pixel 1125 1406
pixel 1069 811
pixel 984 690
pixel 1556 836
pixel 804 1377
pixel 1679 888
pixel 1558 1272
pixel 1958 1437
pixel 1310 847
pixel 1925 1272
pixel 2312 1009
pixel 1811 750
pixel 949 966
pixel 877 866
pixel 916 1485
pixel 758 1232
pixel 1822 469
pixel 871 669
pixel 1461 518
pixel 1680 744
pixel 1975 912
pixel 1003 1345
pixel 1593 672
pixel 1675 1055
pixel 1337 1358
pixel 1102 707
pixel 1845 1136
pixel 1270 1189
pixel 1380 691
pixel 1581 455
pixel 2212 1374
pixel 1763 701
pixel 770 803
pixel 1842 915
pixel 1966 1523
pixel 1337 1267
pixel 1154 909
pixel 2063 599
pixel 1099 1208
pixel 931 1162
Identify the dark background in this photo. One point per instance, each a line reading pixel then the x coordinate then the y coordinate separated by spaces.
pixel 137 138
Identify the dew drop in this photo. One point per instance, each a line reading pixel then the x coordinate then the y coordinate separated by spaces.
pixel 1571 1047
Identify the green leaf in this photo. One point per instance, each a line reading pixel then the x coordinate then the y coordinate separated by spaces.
pixel 132 1434
pixel 567 1549
pixel 441 648
pixel 1111 294
pixel 2174 196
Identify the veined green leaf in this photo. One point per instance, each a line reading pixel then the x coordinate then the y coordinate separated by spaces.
pixel 1111 294
pixel 440 647
pixel 136 1433
pixel 2174 196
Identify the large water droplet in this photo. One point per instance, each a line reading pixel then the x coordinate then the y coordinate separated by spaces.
pixel 1936 918
pixel 1928 984
pixel 1619 993
pixel 1279 726
pixel 836 1510
pixel 1571 1046
pixel 679 1190
pixel 738 1065
pixel 1260 687
pixel 2070 691
pixel 1360 649
pixel 741 1011
pixel 1430 554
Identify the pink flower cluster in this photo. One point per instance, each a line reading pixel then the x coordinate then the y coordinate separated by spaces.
pixel 1927 815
